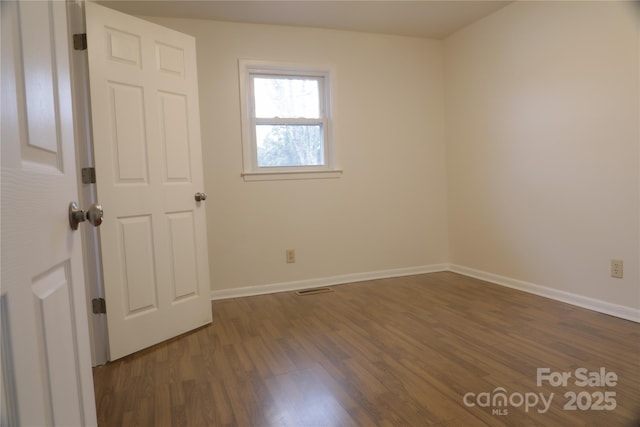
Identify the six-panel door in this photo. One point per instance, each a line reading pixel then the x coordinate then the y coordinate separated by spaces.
pixel 146 132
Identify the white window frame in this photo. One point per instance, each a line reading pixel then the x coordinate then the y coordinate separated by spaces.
pixel 251 171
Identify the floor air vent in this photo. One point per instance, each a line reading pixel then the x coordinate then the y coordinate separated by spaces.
pixel 313 291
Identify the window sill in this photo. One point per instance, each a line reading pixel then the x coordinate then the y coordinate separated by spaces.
pixel 284 175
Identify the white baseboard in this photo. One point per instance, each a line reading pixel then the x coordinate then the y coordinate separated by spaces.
pixel 616 310
pixel 325 281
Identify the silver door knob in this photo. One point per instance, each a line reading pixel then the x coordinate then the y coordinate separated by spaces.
pixel 76 215
pixel 200 197
pixel 94 214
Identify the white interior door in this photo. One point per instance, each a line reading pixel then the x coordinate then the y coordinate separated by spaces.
pixel 46 367
pixel 146 136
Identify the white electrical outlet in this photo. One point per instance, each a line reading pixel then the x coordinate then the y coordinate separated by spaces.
pixel 616 268
pixel 291 256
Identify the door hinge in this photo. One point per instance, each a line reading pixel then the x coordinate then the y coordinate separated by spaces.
pixel 80 41
pixel 89 175
pixel 99 306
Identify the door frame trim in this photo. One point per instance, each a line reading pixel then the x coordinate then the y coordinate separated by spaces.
pixel 94 282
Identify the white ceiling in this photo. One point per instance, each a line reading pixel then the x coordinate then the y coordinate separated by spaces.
pixel 418 18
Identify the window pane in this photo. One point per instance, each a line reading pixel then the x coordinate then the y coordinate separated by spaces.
pixel 286 97
pixel 290 145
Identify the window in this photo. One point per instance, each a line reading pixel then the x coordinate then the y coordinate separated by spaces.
pixel 286 122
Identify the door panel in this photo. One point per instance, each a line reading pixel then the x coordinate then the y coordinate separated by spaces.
pixel 46 368
pixel 174 126
pixel 123 47
pixel 40 102
pixel 170 60
pixel 136 239
pixel 146 127
pixel 183 255
pixel 129 138
pixel 53 296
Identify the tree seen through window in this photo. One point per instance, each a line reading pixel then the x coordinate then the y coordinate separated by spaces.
pixel 289 130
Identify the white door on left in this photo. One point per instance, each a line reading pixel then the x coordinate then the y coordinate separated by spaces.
pixel 45 361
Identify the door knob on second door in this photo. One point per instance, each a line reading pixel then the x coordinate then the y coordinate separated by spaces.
pixel 76 215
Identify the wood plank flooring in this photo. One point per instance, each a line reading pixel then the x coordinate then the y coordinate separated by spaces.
pixel 393 352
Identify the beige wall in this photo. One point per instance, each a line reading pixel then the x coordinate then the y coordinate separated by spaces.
pixel 387 211
pixel 538 180
pixel 542 138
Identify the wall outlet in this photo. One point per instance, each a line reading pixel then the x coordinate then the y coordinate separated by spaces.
pixel 291 256
pixel 616 268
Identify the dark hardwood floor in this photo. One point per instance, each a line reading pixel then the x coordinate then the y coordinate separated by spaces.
pixel 407 351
